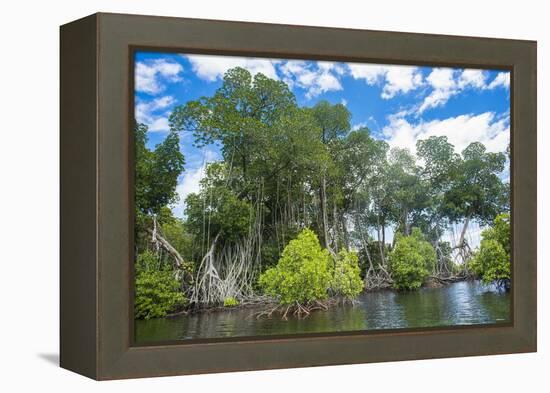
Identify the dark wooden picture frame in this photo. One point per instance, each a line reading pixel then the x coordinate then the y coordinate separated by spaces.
pixel 97 197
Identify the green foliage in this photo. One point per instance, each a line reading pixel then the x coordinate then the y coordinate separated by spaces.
pixel 147 261
pixel 230 302
pixel 407 192
pixel 334 120
pixel 157 294
pixel 476 190
pixel 346 278
pixel 444 257
pixel 500 232
pixel 267 143
pixel 302 274
pixel 356 162
pixel 272 247
pixel 157 291
pixel 239 116
pixel 177 235
pixel 492 261
pixel 373 250
pixel 157 171
pixel 440 161
pixel 411 260
pixel 220 211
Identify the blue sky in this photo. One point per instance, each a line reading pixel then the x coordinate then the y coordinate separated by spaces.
pixel 399 104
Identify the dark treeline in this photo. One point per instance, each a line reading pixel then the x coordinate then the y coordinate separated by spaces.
pixel 300 200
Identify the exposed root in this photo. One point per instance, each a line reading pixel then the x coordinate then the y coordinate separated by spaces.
pixel 296 309
pixel 177 314
pixel 268 313
pixel 448 279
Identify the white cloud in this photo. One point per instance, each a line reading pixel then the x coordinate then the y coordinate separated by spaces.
pixel 358 126
pixel 442 79
pixel 153 113
pixel 444 87
pixel 473 78
pixel 163 102
pixel 448 82
pixel 502 79
pixel 160 124
pixel 488 128
pixel 397 79
pixel 314 77
pixel 211 68
pixel 190 181
pixel 401 79
pixel 371 73
pixel 150 75
pixel 344 102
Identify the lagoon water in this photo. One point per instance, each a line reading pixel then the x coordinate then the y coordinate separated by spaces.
pixel 460 303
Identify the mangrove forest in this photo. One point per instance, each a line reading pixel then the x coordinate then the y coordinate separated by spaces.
pixel 304 214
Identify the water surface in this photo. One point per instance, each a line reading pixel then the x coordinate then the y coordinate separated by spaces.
pixel 461 303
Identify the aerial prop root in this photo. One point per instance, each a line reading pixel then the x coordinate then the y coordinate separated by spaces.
pixel 296 309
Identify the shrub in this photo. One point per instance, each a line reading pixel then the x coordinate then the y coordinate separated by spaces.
pixel 346 278
pixel 147 261
pixel 411 260
pixel 157 290
pixel 302 274
pixel 491 262
pixel 230 302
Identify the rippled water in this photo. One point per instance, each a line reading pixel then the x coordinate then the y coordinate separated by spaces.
pixel 461 303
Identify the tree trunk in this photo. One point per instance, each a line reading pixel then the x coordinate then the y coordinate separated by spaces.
pixel 164 244
pixel 344 230
pixel 463 232
pixel 324 215
pixel 244 167
pixel 462 241
pixel 381 243
pixel 335 226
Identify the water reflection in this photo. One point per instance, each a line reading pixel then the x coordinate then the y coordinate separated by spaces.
pixel 461 303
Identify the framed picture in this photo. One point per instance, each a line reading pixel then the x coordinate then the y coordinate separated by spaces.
pixel 241 196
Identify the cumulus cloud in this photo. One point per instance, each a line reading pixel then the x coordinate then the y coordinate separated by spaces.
pixel 473 78
pixel 502 79
pixel 154 113
pixel 396 79
pixel 211 68
pixel 314 77
pixel 488 128
pixel 448 82
pixel 160 124
pixel 400 80
pixel 444 87
pixel 151 75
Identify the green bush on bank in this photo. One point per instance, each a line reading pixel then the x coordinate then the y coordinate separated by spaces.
pixel 230 302
pixel 157 290
pixel 306 272
pixel 302 274
pixel 491 262
pixel 346 277
pixel 411 260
